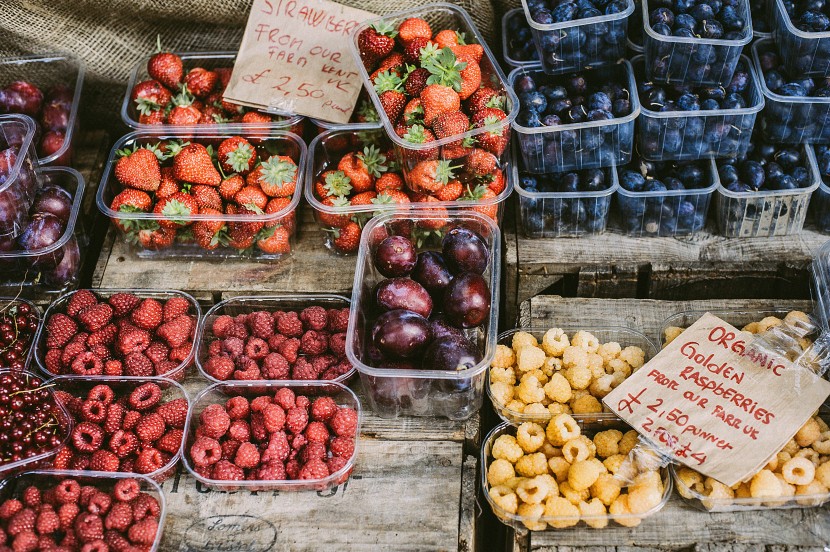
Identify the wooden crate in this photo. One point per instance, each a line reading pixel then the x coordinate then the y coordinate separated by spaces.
pixel 678 526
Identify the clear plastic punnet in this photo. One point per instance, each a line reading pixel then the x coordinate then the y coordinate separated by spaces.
pixel 510 22
pixel 821 285
pixel 693 135
pixel 820 206
pixel 586 145
pixel 581 43
pixel 693 61
pixel 18 178
pixel 807 53
pixel 393 392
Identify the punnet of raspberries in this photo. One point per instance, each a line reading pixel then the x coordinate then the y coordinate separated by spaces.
pixel 273 437
pixel 91 515
pixel 433 86
pixel 122 427
pixel 235 195
pixel 280 345
pixel 120 335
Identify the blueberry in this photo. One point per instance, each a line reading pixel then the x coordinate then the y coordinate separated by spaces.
pixel 599 100
pixel 688 102
pixel 528 182
pixel 632 181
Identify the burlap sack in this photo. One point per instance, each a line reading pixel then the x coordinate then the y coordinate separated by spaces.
pixel 112 35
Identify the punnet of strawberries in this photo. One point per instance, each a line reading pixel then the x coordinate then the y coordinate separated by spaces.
pixel 235 195
pixel 433 85
pixel 279 434
pixel 122 426
pixel 122 334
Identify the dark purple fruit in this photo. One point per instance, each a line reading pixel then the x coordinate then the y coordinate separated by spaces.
pixel 467 300
pixel 43 230
pixel 67 269
pixel 395 256
pixel 401 334
pixel 451 354
pixel 54 200
pixel 441 328
pixel 397 392
pixel 431 272
pixel 465 251
pixel 12 217
pixel 403 293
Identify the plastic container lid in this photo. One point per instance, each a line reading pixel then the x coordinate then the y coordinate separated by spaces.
pixel 28 127
pixel 629 9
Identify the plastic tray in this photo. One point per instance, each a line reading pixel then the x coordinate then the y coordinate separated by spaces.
pixel 59 306
pixel 768 213
pixel 518 522
pixel 821 284
pixel 579 145
pixel 206 60
pixel 270 303
pixel 45 71
pixel 43 458
pixel 790 119
pixel 624 336
pixel 170 390
pixel 681 60
pixel 807 53
pixel 17 190
pixel 657 213
pixel 581 43
pixel 820 206
pixel 517 15
pixel 559 214
pixel 218 393
pixel 693 135
pixel 8 302
pixel 285 142
pixel 394 392
pixel 105 481
pixel 760 26
pixel 440 16
pixel 635 31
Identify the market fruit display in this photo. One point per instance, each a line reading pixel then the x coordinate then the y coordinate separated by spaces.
pixel 19 321
pixel 593 479
pixel 50 110
pixel 120 426
pixel 122 334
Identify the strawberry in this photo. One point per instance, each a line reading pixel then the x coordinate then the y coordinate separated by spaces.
pixel 236 155
pixel 480 162
pixel 390 197
pixel 415 81
pixel 451 191
pixel 420 135
pixel 401 128
pixel 412 49
pixel 347 238
pixel 277 176
pixel 333 184
pixel 483 98
pixel 430 176
pixel 412 28
pixel 130 201
pixel 166 68
pixel 474 51
pixel 388 181
pixel 230 186
pixel 184 115
pixel 363 167
pixel 451 123
pixel 251 197
pixel 438 215
pixel 485 194
pixel 200 82
pixel 277 243
pixel 206 197
pixel 193 164
pixel 389 88
pixel 363 198
pixel 176 210
pixel 212 115
pixel 495 141
pixel 437 99
pixel 277 205
pixel 470 79
pixel 495 181
pixel 148 314
pixel 393 62
pixel 169 185
pixel 224 76
pixel 138 168
pixel 448 38
pixel 375 43
pixel 255 117
pixel 153 118
pixel 155 240
pixel 330 219
pixel 413 113
pixel 208 233
pixel 150 96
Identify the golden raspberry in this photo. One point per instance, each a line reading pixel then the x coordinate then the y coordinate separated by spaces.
pixel 556 408
pixel 609 350
pixel 641 499
pixel 808 433
pixel 586 405
pixel 606 488
pixel 622 515
pixel 812 494
pixel 558 389
pixel 634 356
pixel 574 496
pixel 614 462
pixel 504 498
pixel 798 471
pixel 585 340
pixel 602 385
pixel 607 443
pixel 537 409
pixel 690 482
pixel 559 467
pixel 516 406
pixel 578 449
pixel 575 356
pixel 552 365
pixel 530 516
pixel 530 391
pixel 618 365
pixel 764 485
pixel 583 474
pixel 629 440
pixel 530 436
pixel 501 392
pixel 578 376
pixel 532 464
pixel 504 357
pixel 503 375
pixel 522 339
pixel 539 374
pixel 822 444
pixel 529 358
pixel 564 513
pixel 743 491
pixel 533 490
pixel 555 341
pixel 500 470
pixel 593 513
pixel 506 447
pixel 823 474
pixel 768 322
pixel 670 334
pixel 561 429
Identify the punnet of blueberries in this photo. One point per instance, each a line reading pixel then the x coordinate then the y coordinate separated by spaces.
pixel 584 33
pixel 705 120
pixel 811 16
pixel 571 203
pixel 664 198
pixel 820 204
pixel 518 41
pixel 802 30
pixel 695 41
pixel 575 121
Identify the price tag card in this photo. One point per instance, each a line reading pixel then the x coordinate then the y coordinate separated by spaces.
pixel 295 58
pixel 717 404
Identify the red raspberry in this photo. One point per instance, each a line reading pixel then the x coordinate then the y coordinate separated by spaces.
pixel 131 418
pixel 260 403
pixel 221 325
pixel 80 461
pixel 247 456
pixel 174 412
pixel 337 344
pixel 237 330
pixel 120 517
pixel 132 340
pixel 251 373
pixel 104 336
pixel 71 350
pixel 339 369
pixel 314 343
pixel 215 421
pixel 215 348
pixel 322 363
pixel 123 303
pixel 296 419
pixel 143 532
pixel 256 348
pixel 101 351
pixel 31 497
pixel 182 352
pixel 69 540
pixel 52 361
pixel 314 469
pixel 219 367
pixel 224 470
pixel 289 349
pixel 80 300
pixel 234 346
pixel 103 393
pixel 170 441
pixel 60 329
pixel 292 468
pixel 95 317
pixel 238 408
pixel 99 503
pixel 150 428
pixel 47 521
pixel 261 324
pixel 290 325
pixel 338 320
pixel 258 431
pixel 303 402
pixel 342 446
pixel 116 541
pixel 278 448
pixel 176 332
pixel 157 352
pixel 67 514
pixel 26 541
pixel 303 370
pixel 275 367
pixel 149 460
pixel 145 505
pixel 205 451
pixel 126 490
pixel 323 408
pixel 273 418
pixel 148 314
pixel 239 430
pixel 316 432
pixel 103 460
pixel 67 491
pixel 314 318
pixel 344 422
pixel 229 448
pixel 298 442
pixel 275 341
pixel 175 307
pixel 123 443
pixel 312 451
pixel 285 398
pixel 88 527
pixel 48 497
pixel 240 318
pixel 272 471
pixel 87 364
pixel 87 437
pixel 336 463
pixel 113 368
pixel 93 411
pixel 137 364
pixel 145 396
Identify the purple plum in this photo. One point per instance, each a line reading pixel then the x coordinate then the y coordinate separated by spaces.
pixel 403 293
pixel 401 334
pixel 431 272
pixel 467 300
pixel 395 256
pixel 465 251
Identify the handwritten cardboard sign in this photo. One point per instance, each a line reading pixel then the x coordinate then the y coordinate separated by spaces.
pixel 295 58
pixel 717 404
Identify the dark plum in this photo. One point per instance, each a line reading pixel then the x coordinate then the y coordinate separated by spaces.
pixel 401 334
pixel 431 272
pixel 467 300
pixel 67 269
pixel 43 230
pixel 403 293
pixel 465 251
pixel 54 200
pixel 395 256
pixel 21 97
pixel 451 354
pixel 440 327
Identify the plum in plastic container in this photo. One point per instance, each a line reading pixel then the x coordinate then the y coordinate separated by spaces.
pixel 9 307
pixel 692 135
pixel 13 487
pixel 517 48
pixel 80 386
pixel 625 336
pixel 57 266
pixel 808 53
pixel 393 392
pixel 577 521
pixel 691 60
pixel 666 213
pixel 328 148
pixel 205 60
pixel 761 27
pixel 790 119
pixel 149 234
pixel 60 76
pixel 443 16
pixel 219 393
pixel 18 177
pixel 269 303
pixel 553 214
pixel 60 304
pixel 587 145
pixel 765 213
pixel 580 43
